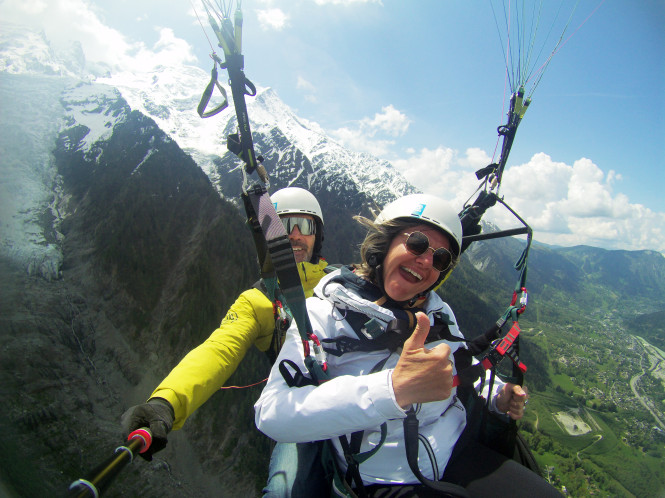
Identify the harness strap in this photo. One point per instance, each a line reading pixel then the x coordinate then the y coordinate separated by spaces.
pixel 282 262
pixel 352 466
pixel 411 442
pixel 207 93
pixel 374 335
pixel 298 379
pixel 354 458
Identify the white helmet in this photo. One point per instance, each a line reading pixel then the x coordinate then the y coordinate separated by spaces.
pixel 296 200
pixel 428 209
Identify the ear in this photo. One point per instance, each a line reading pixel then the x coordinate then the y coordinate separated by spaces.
pixel 373 260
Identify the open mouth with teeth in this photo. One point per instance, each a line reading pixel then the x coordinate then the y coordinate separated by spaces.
pixel 411 275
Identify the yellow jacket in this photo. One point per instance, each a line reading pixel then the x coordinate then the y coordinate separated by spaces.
pixel 204 370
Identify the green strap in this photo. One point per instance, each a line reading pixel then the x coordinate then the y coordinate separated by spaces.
pixel 207 94
pixel 269 233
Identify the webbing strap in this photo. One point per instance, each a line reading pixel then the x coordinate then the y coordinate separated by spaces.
pixel 229 36
pixel 411 443
pixel 207 94
pixel 518 107
pixel 354 458
pixel 283 263
pixel 260 210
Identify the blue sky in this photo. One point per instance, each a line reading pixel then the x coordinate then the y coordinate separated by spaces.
pixel 421 83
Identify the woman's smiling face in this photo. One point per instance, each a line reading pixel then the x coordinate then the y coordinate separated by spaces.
pixel 406 275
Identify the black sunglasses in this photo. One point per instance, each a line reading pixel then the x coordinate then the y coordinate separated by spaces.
pixel 417 243
pixel 306 226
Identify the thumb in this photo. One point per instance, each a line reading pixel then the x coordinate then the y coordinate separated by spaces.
pixel 417 339
pixel 520 391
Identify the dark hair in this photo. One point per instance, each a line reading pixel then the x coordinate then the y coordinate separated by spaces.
pixel 318 241
pixel 374 248
pixel 377 241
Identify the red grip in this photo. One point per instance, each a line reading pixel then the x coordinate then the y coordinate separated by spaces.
pixel 144 435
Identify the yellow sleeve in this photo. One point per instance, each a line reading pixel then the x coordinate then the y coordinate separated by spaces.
pixel 205 369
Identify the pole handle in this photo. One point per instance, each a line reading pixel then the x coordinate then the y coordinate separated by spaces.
pixel 96 481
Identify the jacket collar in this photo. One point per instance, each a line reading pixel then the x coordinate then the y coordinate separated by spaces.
pixel 367 290
pixel 310 274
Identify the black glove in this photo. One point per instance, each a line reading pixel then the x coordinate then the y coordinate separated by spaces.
pixel 157 415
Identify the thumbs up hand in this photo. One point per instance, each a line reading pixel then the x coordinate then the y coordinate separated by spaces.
pixel 422 375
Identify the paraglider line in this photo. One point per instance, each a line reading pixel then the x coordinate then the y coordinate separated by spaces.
pixel 559 46
pixel 245 387
pixel 201 24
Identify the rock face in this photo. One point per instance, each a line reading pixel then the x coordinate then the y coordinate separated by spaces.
pixel 152 258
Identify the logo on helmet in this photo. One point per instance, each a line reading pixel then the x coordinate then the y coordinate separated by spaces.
pixel 418 212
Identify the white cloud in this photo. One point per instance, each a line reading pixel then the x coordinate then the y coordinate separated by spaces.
pixel 565 205
pixel 67 20
pixel 389 120
pixel 475 158
pixel 540 180
pixel 354 139
pixel 367 134
pixel 570 205
pixel 272 18
pixel 309 90
pixel 303 84
pixel 442 172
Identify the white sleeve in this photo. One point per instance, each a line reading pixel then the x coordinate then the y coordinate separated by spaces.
pixel 341 405
pixel 496 388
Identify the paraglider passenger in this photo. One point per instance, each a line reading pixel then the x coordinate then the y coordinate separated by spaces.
pixel 378 373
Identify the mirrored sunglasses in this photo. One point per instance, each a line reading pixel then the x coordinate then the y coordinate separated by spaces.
pixel 306 226
pixel 417 243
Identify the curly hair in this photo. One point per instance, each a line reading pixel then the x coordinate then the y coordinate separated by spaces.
pixel 377 241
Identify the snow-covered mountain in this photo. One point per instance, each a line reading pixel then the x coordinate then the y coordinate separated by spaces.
pixel 44 92
pixel 25 51
pixel 170 96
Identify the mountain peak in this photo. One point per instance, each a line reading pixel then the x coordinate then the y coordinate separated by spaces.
pixel 25 50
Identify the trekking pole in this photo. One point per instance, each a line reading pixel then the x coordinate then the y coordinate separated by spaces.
pixel 95 481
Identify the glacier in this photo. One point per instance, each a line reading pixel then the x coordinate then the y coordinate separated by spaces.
pixel 43 92
pixel 30 118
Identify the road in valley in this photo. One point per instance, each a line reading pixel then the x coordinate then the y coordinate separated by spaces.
pixel 656 364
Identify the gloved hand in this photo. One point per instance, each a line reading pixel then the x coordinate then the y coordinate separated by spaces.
pixel 157 415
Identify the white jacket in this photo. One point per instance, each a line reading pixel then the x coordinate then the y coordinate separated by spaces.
pixel 354 399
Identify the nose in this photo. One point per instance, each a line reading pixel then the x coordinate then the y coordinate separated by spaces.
pixel 295 233
pixel 426 259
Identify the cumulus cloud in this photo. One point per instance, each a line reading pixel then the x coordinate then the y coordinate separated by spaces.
pixel 564 204
pixel 570 205
pixel 368 134
pixel 443 172
pixel 273 18
pixel 67 20
pixel 389 120
pixel 354 139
